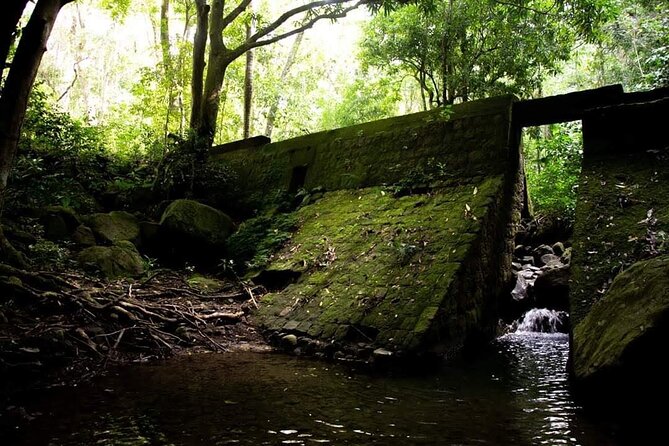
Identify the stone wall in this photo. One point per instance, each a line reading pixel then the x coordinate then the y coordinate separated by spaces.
pixel 409 246
pixel 470 139
pixel 622 213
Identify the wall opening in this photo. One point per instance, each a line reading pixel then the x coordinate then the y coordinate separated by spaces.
pixel 553 155
pixel 297 178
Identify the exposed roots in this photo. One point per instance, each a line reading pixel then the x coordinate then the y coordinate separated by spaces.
pixel 50 320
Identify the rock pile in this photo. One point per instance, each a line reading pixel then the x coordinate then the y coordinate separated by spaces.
pixel 112 243
pixel 542 277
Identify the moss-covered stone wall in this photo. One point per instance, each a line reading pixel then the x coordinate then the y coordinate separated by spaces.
pixel 408 269
pixel 622 214
pixel 468 140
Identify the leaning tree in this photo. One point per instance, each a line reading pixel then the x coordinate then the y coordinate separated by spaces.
pixel 18 84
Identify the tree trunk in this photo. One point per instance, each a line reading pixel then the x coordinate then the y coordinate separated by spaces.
pixel 199 47
pixel 9 21
pixel 271 116
pixel 169 76
pixel 219 60
pixel 165 35
pixel 248 78
pixel 14 99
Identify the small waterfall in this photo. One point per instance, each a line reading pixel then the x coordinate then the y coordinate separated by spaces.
pixel 543 320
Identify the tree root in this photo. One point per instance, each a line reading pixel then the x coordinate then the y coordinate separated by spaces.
pixel 46 317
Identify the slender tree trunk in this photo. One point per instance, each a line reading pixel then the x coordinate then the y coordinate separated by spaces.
pixel 199 47
pixel 165 34
pixel 219 60
pixel 292 55
pixel 14 99
pixel 248 78
pixel 9 21
pixel 168 72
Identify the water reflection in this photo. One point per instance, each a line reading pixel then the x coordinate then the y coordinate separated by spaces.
pixel 516 394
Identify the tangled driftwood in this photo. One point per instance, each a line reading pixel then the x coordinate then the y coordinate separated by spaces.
pixel 48 318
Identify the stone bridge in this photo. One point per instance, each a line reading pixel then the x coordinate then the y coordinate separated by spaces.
pixel 406 231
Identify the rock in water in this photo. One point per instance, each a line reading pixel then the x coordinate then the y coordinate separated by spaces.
pixel 119 260
pixel 194 230
pixel 551 289
pixel 621 342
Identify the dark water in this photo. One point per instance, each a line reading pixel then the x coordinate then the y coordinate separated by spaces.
pixel 517 394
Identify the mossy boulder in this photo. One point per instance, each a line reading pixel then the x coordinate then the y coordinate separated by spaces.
pixel 59 222
pixel 205 284
pixel 626 331
pixel 194 230
pixel 84 236
pixel 114 227
pixel 118 260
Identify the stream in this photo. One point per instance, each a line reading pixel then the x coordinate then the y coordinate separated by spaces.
pixel 515 394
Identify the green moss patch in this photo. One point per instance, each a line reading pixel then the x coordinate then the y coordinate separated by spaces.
pixel 621 218
pixel 376 267
pixel 634 311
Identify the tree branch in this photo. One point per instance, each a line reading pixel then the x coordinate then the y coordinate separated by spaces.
pixel 255 43
pixel 300 9
pixel 527 8
pixel 228 19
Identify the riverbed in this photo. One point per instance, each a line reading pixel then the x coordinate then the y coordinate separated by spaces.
pixel 516 393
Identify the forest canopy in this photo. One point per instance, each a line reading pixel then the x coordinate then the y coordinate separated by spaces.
pixel 147 75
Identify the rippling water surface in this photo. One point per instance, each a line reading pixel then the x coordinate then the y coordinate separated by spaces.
pixel 517 394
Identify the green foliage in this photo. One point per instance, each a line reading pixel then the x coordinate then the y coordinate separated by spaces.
pixel 552 168
pixel 423 177
pixel 62 161
pixel 117 8
pixel 636 45
pixel 47 254
pixel 258 238
pixel 184 173
pixel 367 98
pixel 468 49
pixel 633 50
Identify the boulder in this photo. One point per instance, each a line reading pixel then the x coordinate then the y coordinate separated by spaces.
pixel 551 288
pixel 194 230
pixel 519 292
pixel 59 222
pixel 620 343
pixel 118 260
pixel 558 248
pixel 152 241
pixel 549 260
pixel 566 256
pixel 83 236
pixel 114 227
pixel 539 252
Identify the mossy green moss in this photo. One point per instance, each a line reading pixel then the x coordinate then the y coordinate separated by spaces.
pixel 613 229
pixel 632 313
pixel 114 226
pixel 196 221
pixel 380 263
pixel 118 260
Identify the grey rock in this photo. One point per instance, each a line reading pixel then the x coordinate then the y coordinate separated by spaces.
pixel 550 259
